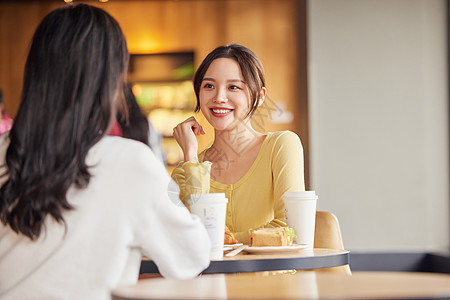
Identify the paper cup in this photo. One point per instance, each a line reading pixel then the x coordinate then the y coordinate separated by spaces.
pixel 211 209
pixel 300 209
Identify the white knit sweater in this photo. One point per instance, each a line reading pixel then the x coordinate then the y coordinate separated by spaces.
pixel 123 213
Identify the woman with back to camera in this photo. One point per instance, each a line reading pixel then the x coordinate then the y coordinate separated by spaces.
pixel 77 208
pixel 253 169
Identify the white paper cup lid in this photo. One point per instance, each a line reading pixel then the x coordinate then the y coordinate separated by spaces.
pixel 208 198
pixel 300 195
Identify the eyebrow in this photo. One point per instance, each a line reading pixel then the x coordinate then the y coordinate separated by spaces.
pixel 231 80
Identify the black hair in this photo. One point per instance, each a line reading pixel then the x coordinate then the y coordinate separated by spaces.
pixel 250 65
pixel 132 121
pixel 72 78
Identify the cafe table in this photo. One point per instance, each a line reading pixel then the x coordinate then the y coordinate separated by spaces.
pixel 300 285
pixel 304 259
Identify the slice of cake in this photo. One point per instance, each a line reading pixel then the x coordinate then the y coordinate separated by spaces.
pixel 270 237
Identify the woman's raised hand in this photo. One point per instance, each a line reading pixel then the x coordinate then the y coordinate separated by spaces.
pixel 185 133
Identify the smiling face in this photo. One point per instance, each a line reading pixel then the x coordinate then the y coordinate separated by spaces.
pixel 224 96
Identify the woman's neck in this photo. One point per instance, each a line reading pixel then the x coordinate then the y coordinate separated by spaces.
pixel 233 152
pixel 236 141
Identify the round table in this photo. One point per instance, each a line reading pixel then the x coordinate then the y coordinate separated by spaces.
pixel 304 259
pixel 301 285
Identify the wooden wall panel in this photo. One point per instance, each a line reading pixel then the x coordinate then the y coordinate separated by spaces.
pixel 17 24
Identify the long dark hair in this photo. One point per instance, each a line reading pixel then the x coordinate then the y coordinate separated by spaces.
pixel 132 121
pixel 72 79
pixel 251 68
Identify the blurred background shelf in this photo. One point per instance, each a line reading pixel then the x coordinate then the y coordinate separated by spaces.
pixel 162 84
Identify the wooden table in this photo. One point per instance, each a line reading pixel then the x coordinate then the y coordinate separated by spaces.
pixel 305 259
pixel 301 285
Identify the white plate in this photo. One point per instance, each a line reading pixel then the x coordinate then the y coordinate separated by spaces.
pixel 265 250
pixel 231 247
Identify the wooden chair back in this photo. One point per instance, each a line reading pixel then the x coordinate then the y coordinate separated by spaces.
pixel 328 235
pixel 328 232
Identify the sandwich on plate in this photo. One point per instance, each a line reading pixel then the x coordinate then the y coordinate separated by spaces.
pixel 273 237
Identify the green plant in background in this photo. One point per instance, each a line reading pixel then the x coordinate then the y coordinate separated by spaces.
pixel 186 71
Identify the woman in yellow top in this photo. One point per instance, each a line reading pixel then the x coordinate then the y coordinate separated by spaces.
pixel 253 169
